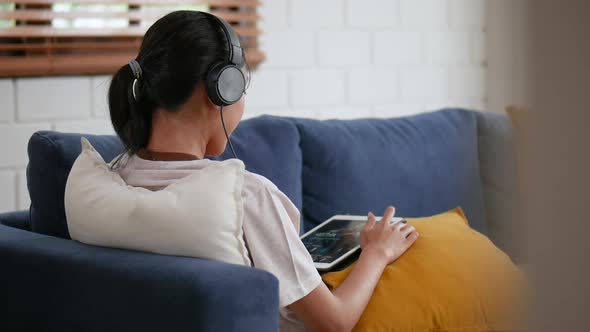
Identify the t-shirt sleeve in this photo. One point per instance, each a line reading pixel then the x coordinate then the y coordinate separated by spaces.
pixel 274 244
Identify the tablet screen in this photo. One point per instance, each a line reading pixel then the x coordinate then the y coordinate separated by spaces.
pixel 333 240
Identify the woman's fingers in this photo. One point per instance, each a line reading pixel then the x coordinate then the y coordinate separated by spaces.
pixel 370 221
pixel 412 237
pixel 405 230
pixel 389 213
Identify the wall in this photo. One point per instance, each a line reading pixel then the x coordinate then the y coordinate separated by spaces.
pixel 508 54
pixel 325 59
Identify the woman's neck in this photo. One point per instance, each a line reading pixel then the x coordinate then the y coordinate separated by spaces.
pixel 180 132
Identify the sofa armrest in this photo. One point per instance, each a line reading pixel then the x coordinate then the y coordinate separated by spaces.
pixel 18 219
pixel 53 284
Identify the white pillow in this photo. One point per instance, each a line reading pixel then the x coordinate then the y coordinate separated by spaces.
pixel 200 215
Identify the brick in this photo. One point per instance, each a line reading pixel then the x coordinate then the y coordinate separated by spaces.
pixel 252 112
pixel 344 112
pixel 23 198
pixel 423 82
pixel 467 13
pixel 423 13
pixel 317 87
pixel 397 48
pixel 338 48
pixel 449 47
pixel 313 14
pixel 268 88
pixel 448 103
pixel 14 139
pixel 93 127
pixel 7 191
pixel 289 48
pixel 273 15
pixel 297 113
pixel 373 85
pixel 6 100
pixel 467 82
pixel 100 87
pixel 371 13
pixel 436 106
pixel 291 112
pixel 397 110
pixel 53 98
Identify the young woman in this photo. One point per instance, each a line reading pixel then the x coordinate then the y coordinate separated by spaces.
pixel 168 121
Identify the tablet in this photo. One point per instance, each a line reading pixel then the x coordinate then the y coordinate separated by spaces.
pixel 335 239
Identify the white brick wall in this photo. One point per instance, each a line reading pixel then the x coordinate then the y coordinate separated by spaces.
pixel 325 59
pixel 313 87
pixel 368 86
pixel 7 190
pixel 397 48
pixel 6 100
pixel 371 13
pixel 340 48
pixel 426 15
pixel 449 47
pixel 99 86
pixel 13 142
pixel 325 13
pixel 53 98
pixel 422 83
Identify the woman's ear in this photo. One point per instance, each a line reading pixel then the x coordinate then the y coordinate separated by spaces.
pixel 204 97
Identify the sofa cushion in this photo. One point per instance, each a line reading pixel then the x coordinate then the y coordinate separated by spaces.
pixel 206 223
pixel 423 165
pixel 268 146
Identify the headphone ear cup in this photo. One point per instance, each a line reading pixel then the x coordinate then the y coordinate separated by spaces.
pixel 225 84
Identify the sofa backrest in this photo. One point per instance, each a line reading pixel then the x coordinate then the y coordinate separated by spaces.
pixel 423 165
pixel 268 145
pixel 51 155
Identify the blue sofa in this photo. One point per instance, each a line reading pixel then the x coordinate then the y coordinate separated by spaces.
pixel 423 164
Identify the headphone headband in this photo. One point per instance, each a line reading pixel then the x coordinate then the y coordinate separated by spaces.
pixel 235 54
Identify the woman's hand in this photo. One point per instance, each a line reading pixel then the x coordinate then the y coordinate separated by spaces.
pixel 385 241
pixel 340 310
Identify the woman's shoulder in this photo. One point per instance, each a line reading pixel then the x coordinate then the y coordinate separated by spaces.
pixel 255 182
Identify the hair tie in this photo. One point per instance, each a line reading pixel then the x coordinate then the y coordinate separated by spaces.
pixel 137 73
pixel 135 68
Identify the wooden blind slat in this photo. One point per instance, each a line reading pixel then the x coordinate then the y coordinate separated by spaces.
pixel 29 31
pixel 217 3
pixel 44 15
pixel 110 45
pixel 35 39
pixel 77 64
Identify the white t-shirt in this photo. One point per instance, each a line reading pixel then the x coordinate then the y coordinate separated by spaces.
pixel 271 227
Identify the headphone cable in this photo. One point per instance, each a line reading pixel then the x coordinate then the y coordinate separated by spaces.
pixel 226 135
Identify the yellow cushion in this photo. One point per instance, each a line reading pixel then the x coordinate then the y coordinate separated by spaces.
pixel 452 279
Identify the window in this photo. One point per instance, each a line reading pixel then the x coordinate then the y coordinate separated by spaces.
pixel 52 37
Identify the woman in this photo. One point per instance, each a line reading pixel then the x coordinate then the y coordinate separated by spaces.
pixel 167 119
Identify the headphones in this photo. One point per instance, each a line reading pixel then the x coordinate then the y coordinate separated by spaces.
pixel 225 82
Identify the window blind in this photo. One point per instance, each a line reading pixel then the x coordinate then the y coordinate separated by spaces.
pixel 48 37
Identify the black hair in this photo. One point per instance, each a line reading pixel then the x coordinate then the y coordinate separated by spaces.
pixel 175 55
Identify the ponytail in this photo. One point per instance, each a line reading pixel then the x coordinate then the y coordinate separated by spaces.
pixel 132 119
